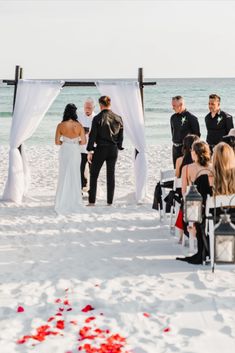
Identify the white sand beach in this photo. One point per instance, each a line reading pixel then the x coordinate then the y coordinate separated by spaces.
pixel 119 259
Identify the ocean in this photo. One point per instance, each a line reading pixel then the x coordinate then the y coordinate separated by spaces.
pixel 157 103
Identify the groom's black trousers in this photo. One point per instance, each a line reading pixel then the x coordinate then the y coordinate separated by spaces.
pixel 103 154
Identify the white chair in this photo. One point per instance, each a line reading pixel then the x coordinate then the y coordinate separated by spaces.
pixel 211 203
pixel 165 175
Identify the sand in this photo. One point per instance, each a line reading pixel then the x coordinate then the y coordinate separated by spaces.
pixel 119 259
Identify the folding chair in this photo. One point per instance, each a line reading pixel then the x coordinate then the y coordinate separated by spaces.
pixel 211 203
pixel 165 176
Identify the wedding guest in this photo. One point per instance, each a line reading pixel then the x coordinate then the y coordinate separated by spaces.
pixel 180 163
pixel 86 119
pixel 223 169
pixel 218 123
pixel 198 173
pixel 221 181
pixel 182 124
pixel 187 156
pixel 107 133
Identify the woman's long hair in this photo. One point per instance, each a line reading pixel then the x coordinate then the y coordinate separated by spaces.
pixel 70 112
pixel 224 169
pixel 186 149
pixel 202 150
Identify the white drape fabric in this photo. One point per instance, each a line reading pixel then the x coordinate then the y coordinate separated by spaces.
pixel 33 99
pixel 126 102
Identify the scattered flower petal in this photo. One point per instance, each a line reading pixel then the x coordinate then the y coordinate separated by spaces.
pixel 60 324
pixel 20 309
pixel 87 308
pixel 90 319
pixel 146 314
pixel 167 329
pixel 50 319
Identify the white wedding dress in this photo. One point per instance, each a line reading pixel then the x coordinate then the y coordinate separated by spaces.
pixel 68 194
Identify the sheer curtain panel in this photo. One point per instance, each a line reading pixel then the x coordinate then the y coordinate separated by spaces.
pixel 126 102
pixel 33 99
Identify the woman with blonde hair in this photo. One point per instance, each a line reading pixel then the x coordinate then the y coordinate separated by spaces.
pixel 223 169
pixel 220 181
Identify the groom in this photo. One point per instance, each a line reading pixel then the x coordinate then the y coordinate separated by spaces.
pixel 107 133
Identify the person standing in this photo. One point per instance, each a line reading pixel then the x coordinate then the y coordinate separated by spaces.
pixel 70 135
pixel 182 124
pixel 86 120
pixel 218 123
pixel 107 133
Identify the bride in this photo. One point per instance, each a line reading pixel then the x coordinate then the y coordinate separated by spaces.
pixel 70 135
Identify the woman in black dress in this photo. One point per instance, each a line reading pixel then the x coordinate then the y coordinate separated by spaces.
pixel 222 178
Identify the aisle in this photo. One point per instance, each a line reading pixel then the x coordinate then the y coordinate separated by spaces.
pixel 121 261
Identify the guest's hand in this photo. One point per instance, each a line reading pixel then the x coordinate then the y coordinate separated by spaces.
pixel 89 157
pixel 192 229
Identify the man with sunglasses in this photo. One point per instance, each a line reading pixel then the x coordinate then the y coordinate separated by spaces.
pixel 182 124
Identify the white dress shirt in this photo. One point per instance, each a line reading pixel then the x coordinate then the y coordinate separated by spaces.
pixel 86 122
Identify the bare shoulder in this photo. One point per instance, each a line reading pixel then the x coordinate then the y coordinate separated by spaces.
pixel 59 126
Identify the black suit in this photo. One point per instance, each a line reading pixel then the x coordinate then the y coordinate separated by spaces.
pixel 107 133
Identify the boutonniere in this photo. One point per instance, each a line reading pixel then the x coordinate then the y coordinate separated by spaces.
pixel 219 119
pixel 183 120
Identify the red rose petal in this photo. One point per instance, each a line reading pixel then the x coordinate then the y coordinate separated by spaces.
pixel 50 319
pixel 87 308
pixel 146 314
pixel 167 329
pixel 66 302
pixel 69 309
pixel 58 301
pixel 20 309
pixel 90 319
pixel 60 324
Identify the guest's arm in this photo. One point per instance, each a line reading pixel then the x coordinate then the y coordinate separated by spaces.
pixel 184 178
pixel 58 136
pixel 177 166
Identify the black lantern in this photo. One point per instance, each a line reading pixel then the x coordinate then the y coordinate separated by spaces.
pixel 224 243
pixel 193 205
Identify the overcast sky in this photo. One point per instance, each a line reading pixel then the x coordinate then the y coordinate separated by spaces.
pixel 109 38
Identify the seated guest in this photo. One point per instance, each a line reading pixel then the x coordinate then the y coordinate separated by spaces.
pixel 180 163
pixel 198 173
pixel 201 157
pixel 222 182
pixel 186 158
pixel 224 169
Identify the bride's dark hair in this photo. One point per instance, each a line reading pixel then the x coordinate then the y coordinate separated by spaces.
pixel 70 112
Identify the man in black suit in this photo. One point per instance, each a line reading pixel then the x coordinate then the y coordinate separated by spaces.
pixel 182 124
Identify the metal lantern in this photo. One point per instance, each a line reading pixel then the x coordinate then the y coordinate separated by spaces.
pixel 224 240
pixel 193 205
